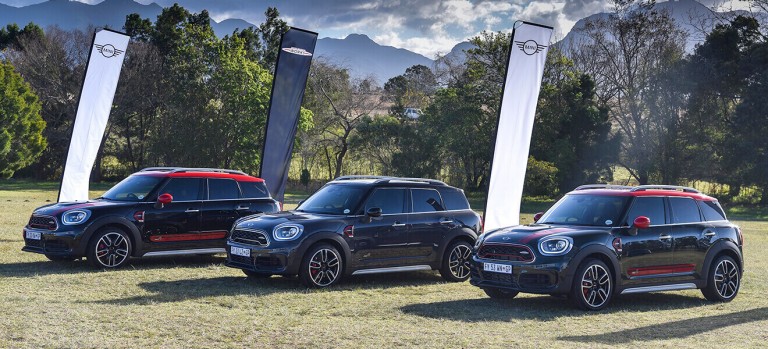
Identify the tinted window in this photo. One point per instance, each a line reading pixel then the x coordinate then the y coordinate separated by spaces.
pixel 389 200
pixel 254 190
pixel 651 207
pixel 581 209
pixel 454 199
pixel 222 189
pixel 711 210
pixel 426 200
pixel 684 210
pixel 183 189
pixel 334 199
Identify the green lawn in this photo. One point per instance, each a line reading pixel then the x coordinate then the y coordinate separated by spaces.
pixel 197 302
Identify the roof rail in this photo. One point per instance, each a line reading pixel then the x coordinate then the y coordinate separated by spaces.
pixel 192 169
pixel 603 186
pixel 387 179
pixel 665 187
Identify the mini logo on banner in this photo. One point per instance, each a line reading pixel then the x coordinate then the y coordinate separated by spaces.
pixel 297 51
pixel 108 50
pixel 530 47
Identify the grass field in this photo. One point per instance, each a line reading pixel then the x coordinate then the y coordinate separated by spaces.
pixel 196 302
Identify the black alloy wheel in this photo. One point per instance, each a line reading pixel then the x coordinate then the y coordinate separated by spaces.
pixel 724 280
pixel 109 248
pixel 321 267
pixel 455 266
pixel 593 286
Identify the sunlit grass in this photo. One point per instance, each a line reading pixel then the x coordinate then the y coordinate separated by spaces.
pixel 196 302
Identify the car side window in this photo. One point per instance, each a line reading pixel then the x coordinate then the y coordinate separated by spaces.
pixel 222 189
pixel 684 210
pixel 426 200
pixel 454 199
pixel 390 200
pixel 183 189
pixel 651 207
pixel 257 190
pixel 712 211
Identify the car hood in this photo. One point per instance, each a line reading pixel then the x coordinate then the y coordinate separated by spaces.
pixel 267 221
pixel 60 207
pixel 524 234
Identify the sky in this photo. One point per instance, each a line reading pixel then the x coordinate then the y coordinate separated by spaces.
pixel 427 27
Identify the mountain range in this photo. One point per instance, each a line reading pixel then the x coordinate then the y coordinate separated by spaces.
pixel 363 56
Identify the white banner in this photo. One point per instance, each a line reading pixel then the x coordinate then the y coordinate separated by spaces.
pixel 102 72
pixel 513 137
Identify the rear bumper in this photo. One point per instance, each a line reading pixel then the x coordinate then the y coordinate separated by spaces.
pixel 54 243
pixel 528 278
pixel 281 260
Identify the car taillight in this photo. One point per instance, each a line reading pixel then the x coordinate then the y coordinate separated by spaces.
pixel 349 231
pixel 139 216
pixel 741 237
pixel 617 245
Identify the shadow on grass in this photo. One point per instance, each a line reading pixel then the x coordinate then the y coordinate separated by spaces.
pixel 181 290
pixel 27 269
pixel 543 307
pixel 674 329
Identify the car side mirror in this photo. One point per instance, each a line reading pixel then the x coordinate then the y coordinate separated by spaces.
pixel 537 216
pixel 641 222
pixel 163 199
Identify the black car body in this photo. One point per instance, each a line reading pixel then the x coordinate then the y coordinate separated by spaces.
pixel 600 240
pixel 157 211
pixel 360 225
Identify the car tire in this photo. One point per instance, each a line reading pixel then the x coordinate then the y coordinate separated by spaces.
pixel 109 248
pixel 54 258
pixel 498 293
pixel 455 266
pixel 592 285
pixel 322 266
pixel 256 275
pixel 723 280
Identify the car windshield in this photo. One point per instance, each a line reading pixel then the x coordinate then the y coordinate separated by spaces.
pixel 333 199
pixel 133 188
pixel 585 209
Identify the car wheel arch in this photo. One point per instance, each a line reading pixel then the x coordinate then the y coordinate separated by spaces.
pixel 118 222
pixel 455 235
pixel 331 238
pixel 598 252
pixel 722 247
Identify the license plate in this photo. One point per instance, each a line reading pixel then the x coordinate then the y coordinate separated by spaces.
pixel 498 268
pixel 33 235
pixel 239 251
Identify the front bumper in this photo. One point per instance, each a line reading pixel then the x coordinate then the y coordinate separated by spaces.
pixel 546 277
pixel 283 260
pixel 53 243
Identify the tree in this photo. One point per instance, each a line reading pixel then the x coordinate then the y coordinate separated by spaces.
pixel 271 32
pixel 21 125
pixel 623 53
pixel 11 35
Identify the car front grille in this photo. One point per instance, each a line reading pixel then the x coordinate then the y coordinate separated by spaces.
pixel 43 222
pixel 506 252
pixel 499 278
pixel 250 237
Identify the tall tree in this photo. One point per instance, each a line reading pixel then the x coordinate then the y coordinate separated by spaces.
pixel 21 126
pixel 623 52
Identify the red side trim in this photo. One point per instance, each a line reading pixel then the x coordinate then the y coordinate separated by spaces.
pixel 661 269
pixel 213 235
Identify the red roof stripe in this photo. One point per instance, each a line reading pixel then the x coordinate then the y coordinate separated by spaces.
pixel 237 177
pixel 652 192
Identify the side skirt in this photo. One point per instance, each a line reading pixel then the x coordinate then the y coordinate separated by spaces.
pixel 391 269
pixel 672 287
pixel 183 252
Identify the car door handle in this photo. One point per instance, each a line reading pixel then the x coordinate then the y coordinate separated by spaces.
pixel 398 224
pixel 709 233
pixel 191 210
pixel 446 221
pixel 665 237
pixel 240 208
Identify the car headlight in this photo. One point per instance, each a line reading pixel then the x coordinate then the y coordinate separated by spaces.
pixel 287 231
pixel 75 217
pixel 555 246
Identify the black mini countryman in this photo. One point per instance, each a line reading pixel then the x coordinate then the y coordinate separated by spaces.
pixel 155 212
pixel 599 241
pixel 360 225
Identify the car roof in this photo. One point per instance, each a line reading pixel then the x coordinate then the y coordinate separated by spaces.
pixel 187 172
pixel 389 181
pixel 641 190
